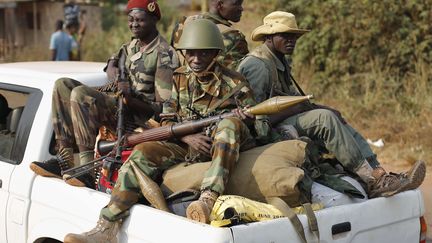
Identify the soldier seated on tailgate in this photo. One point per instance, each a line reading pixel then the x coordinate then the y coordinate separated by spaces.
pixel 269 74
pixel 202 85
pixel 79 111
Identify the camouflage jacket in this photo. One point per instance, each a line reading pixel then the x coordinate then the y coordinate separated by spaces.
pixel 267 75
pixel 189 93
pixel 150 69
pixel 235 43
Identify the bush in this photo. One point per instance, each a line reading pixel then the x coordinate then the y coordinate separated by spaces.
pixel 351 39
pixel 371 60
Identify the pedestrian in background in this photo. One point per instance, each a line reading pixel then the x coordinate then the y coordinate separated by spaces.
pixel 72 30
pixel 61 43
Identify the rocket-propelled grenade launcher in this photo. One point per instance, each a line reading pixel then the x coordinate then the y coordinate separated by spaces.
pixel 268 107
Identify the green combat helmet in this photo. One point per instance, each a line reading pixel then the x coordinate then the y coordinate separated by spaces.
pixel 200 34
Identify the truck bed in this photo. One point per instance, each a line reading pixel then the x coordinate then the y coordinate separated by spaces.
pixel 79 209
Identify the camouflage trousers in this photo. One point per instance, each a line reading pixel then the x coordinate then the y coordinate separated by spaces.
pixel 325 128
pixel 153 158
pixel 78 111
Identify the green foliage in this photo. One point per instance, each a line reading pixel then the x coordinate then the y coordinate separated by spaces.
pixel 351 38
pixel 109 17
pixel 371 60
pixel 111 14
pixel 100 46
pixel 169 17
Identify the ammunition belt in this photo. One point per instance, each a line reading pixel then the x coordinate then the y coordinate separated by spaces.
pixel 110 87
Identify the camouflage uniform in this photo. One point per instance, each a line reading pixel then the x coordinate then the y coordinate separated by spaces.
pixel 268 76
pixel 229 137
pixel 78 110
pixel 235 43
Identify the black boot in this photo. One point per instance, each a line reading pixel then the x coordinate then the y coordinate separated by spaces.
pixel 85 180
pixel 88 178
pixel 54 166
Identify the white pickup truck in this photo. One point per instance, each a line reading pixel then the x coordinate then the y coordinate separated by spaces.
pixel 39 209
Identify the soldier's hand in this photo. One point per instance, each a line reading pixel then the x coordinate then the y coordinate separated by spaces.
pixel 124 88
pixel 198 142
pixel 112 70
pixel 246 117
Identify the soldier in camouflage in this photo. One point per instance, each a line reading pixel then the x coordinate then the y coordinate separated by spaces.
pixel 78 111
pixel 268 73
pixel 200 87
pixel 222 13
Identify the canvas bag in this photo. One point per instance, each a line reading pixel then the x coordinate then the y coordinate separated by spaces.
pixel 272 170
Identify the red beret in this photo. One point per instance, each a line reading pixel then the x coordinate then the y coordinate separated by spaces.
pixel 150 6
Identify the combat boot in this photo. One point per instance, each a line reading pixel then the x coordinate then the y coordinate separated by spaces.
pixel 104 232
pixel 84 180
pixel 415 176
pixel 386 185
pixel 200 210
pixel 389 184
pixel 54 167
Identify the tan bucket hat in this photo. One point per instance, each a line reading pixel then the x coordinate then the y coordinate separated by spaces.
pixel 277 22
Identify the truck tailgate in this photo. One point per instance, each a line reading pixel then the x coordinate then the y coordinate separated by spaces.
pixel 393 219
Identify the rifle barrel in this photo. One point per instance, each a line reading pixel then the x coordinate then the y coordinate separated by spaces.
pixel 85 168
pixel 120 119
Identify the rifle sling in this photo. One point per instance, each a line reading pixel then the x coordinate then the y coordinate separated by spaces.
pixel 312 220
pixel 278 203
pixel 297 85
pixel 227 96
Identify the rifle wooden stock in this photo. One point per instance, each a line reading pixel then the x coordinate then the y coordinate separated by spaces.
pixel 268 107
pixel 155 134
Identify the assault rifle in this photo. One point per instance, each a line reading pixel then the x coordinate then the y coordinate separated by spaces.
pixel 109 162
pixel 123 86
pixel 178 130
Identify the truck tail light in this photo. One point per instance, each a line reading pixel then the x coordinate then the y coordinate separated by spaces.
pixel 423 230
